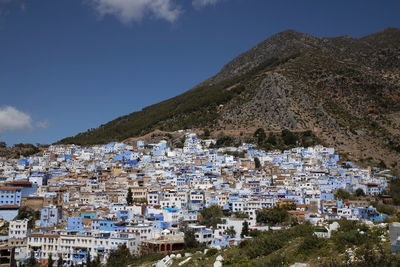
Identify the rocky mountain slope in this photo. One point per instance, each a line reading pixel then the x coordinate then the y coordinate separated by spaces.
pixel 346 90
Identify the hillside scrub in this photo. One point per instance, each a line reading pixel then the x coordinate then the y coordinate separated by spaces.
pixel 299 244
pixel 285 140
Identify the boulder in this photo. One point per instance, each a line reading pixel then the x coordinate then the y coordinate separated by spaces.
pixel 220 258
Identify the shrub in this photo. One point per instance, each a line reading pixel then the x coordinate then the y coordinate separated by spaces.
pixel 272 216
pixel 211 215
pixel 311 242
pixel 359 192
pixel 342 194
pixel 211 252
pixel 190 239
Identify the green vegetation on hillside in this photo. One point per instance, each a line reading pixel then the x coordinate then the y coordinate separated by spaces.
pixel 353 241
pixel 395 190
pixel 196 108
pixel 223 141
pixel 190 239
pixel 18 150
pixel 275 215
pixel 122 258
pixel 236 154
pixel 284 140
pixel 343 194
pixel 4 227
pixel 211 216
pixel 28 213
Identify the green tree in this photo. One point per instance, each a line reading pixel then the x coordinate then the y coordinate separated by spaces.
pixel 257 163
pixel 241 214
pixel 129 197
pixel 190 239
pixel 311 242
pixel 383 208
pixel 206 133
pixel 211 252
pixel 50 261
pixel 88 260
pixel 255 233
pixel 290 206
pixel 272 139
pixel 60 260
pixel 382 165
pixel 28 213
pixel 230 232
pixel 245 229
pixel 96 262
pixel 224 140
pixel 260 135
pixel 272 216
pixel 289 138
pixel 120 257
pixel 31 261
pixel 342 194
pixel 211 216
pixel 359 192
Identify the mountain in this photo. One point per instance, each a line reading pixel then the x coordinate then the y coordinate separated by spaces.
pixel 345 90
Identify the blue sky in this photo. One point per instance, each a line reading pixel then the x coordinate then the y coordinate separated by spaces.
pixel 70 65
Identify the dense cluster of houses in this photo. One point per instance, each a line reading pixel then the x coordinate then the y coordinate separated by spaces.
pixel 81 194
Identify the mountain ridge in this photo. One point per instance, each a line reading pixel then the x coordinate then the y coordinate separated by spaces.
pixel 344 89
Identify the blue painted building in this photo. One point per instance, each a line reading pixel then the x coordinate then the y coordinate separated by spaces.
pixel 39 178
pixel 79 256
pixel 140 144
pixel 74 223
pixel 27 188
pixel 327 196
pixel 108 225
pixel 88 215
pixel 123 215
pixel 10 196
pixel 50 216
pixel 371 214
pixel 102 225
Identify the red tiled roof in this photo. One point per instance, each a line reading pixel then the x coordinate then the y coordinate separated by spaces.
pixel 298 212
pixel 43 235
pixel 3 207
pixel 10 188
pixel 19 183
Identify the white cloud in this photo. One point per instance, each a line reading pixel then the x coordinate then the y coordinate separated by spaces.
pixel 42 124
pixel 203 3
pixel 135 10
pixel 12 119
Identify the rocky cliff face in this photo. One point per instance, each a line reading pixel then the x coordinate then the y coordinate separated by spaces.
pixel 346 90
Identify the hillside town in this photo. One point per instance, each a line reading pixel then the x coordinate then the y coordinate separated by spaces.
pixel 87 201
